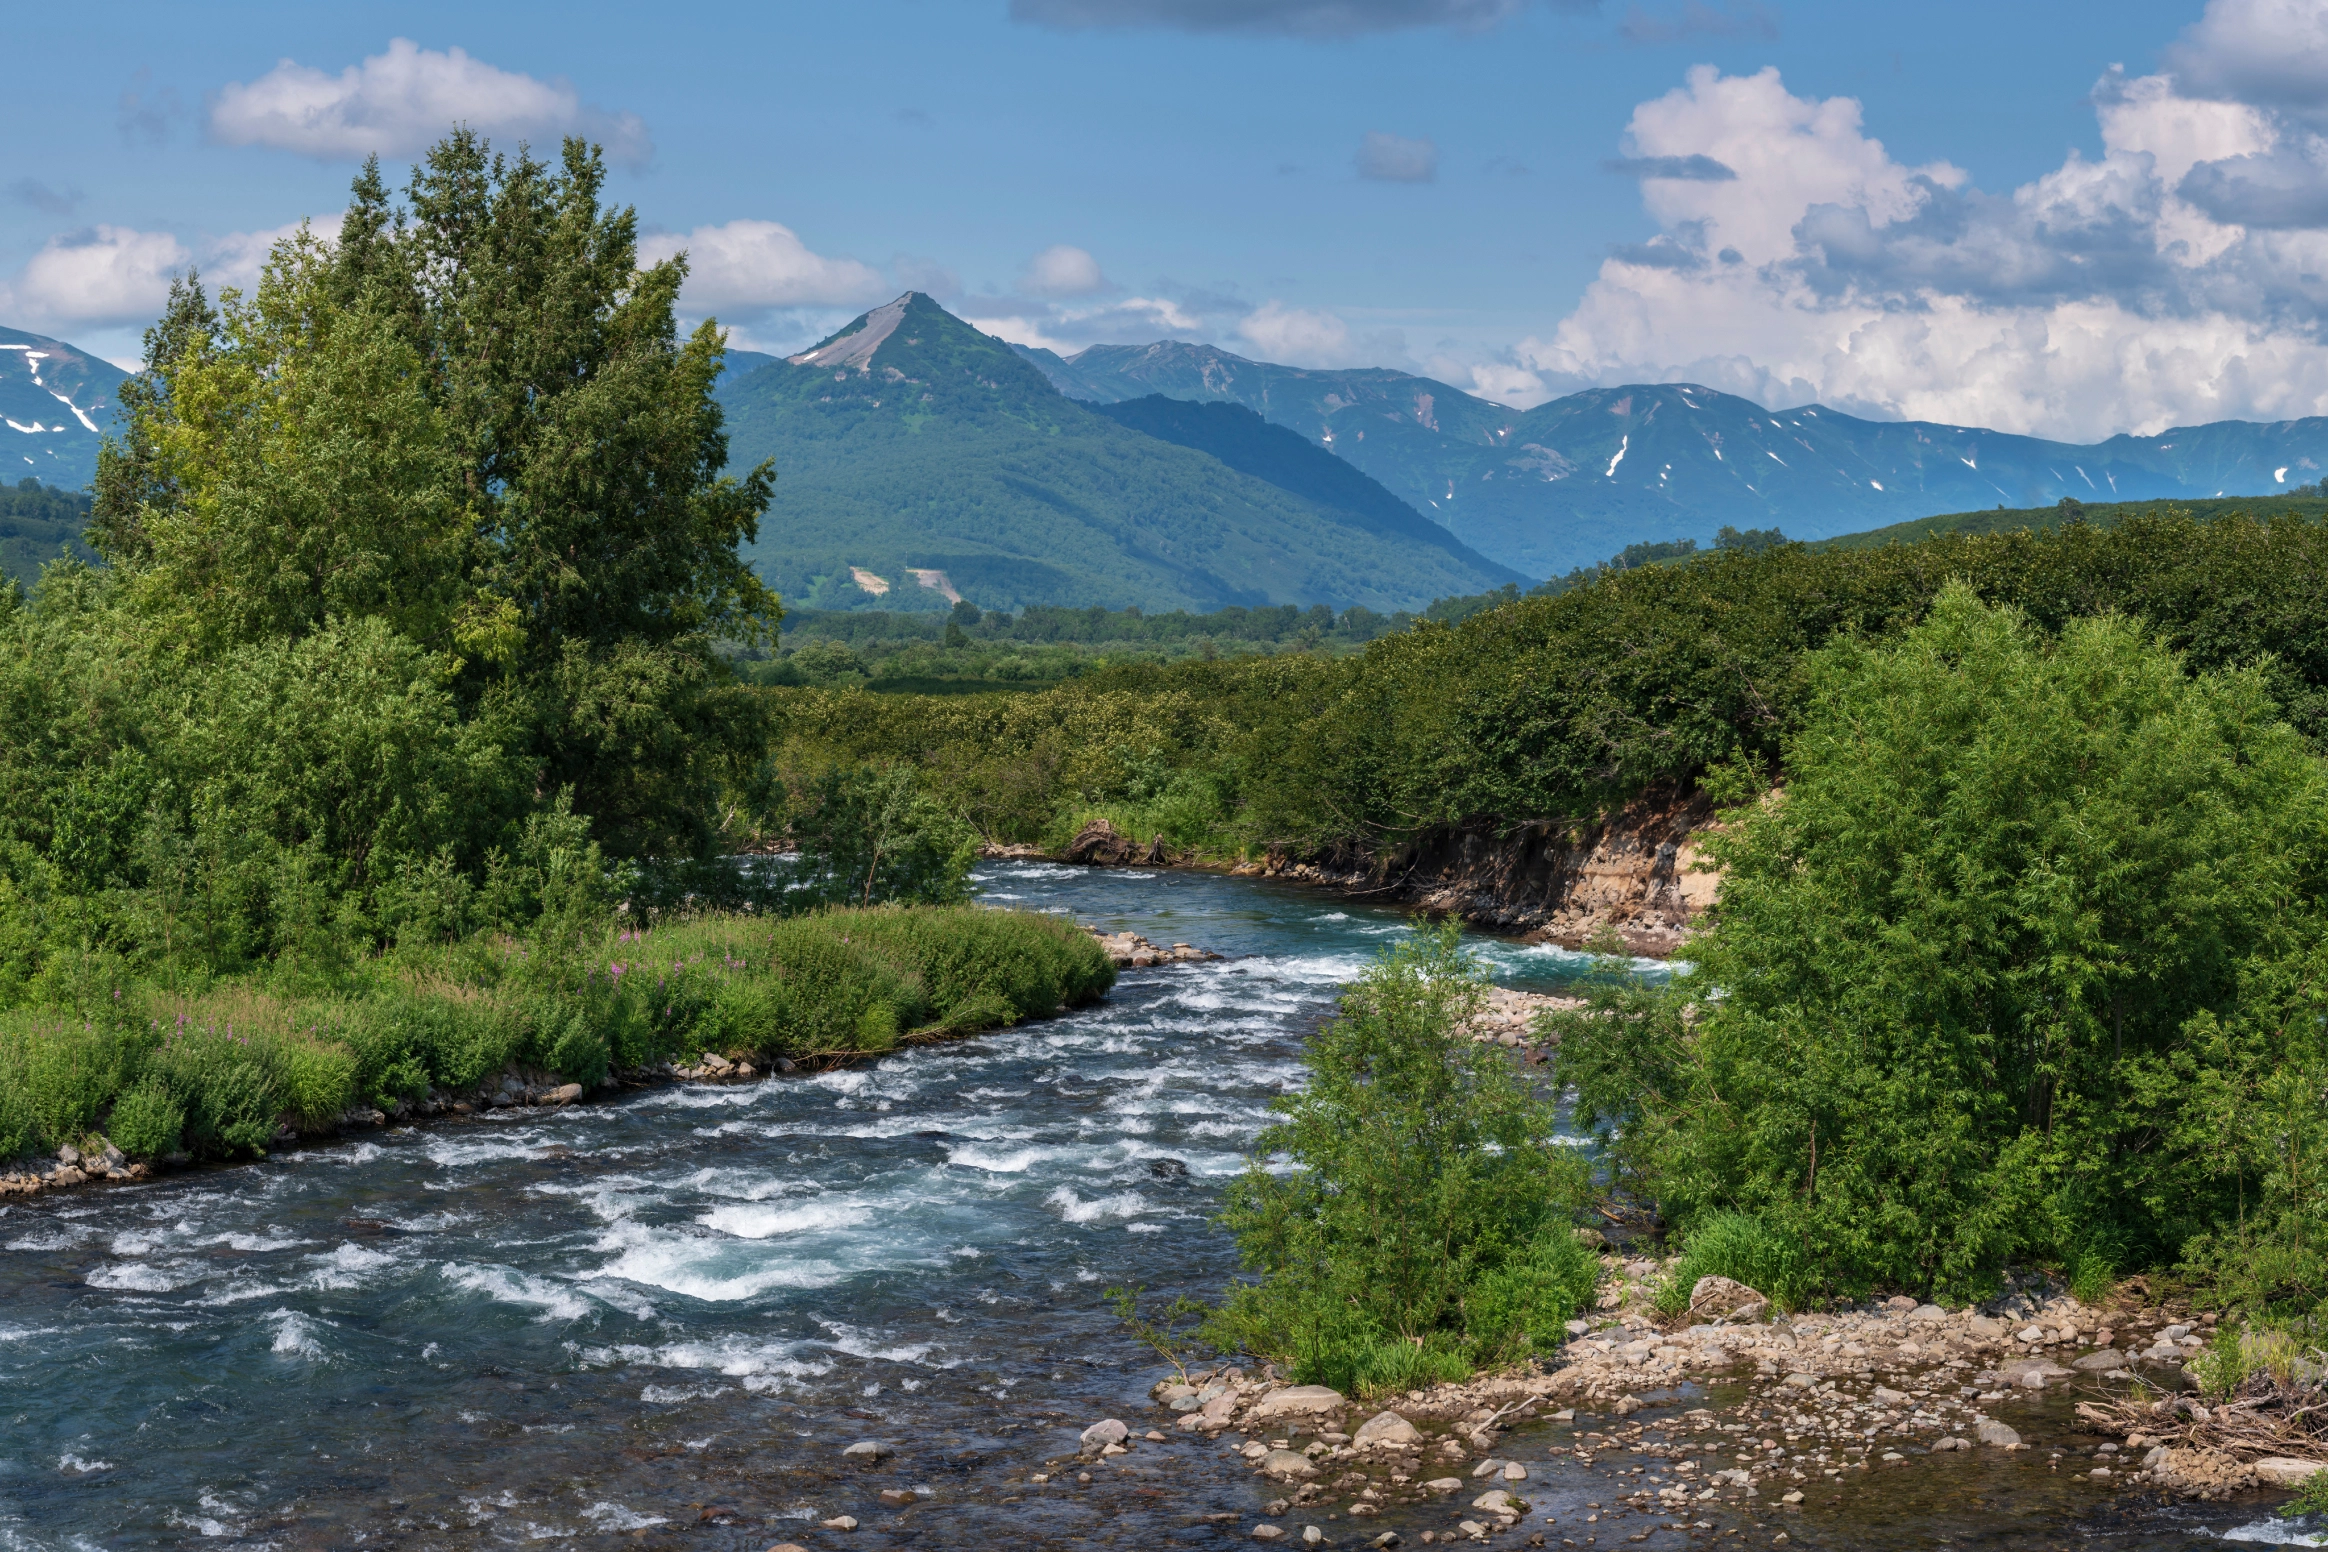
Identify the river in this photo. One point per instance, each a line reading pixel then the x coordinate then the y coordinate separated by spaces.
pixel 657 1322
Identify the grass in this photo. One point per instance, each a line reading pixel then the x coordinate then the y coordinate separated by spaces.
pixel 1737 1246
pixel 221 1072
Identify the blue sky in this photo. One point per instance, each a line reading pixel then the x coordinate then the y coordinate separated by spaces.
pixel 2072 218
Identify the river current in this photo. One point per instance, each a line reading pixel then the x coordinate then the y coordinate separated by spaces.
pixel 658 1321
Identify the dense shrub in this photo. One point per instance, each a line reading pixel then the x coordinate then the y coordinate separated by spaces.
pixel 1429 1209
pixel 2022 961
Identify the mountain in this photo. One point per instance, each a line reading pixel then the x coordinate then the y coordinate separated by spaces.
pixel 57 404
pixel 912 446
pixel 1575 480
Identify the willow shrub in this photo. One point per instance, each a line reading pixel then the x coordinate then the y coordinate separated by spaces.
pixel 1426 1222
pixel 2019 962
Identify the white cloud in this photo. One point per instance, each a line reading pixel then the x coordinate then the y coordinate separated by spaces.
pixel 237 258
pixel 1126 320
pixel 105 274
pixel 2174 279
pixel 1396 159
pixel 1298 336
pixel 755 264
pixel 1062 271
pixel 399 102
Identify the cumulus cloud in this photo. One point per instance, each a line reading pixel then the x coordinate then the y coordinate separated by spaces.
pixel 1277 18
pixel 1396 159
pixel 1130 320
pixel 100 275
pixel 1062 271
pixel 751 265
pixel 399 102
pixel 2177 277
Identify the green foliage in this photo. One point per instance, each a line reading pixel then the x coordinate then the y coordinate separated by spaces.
pixel 40 524
pixel 1738 1246
pixel 1996 965
pixel 870 836
pixel 147 1122
pixel 1428 1205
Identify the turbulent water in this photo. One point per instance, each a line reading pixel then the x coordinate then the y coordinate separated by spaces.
pixel 658 1321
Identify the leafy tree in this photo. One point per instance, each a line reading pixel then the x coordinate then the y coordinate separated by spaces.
pixel 472 418
pixel 870 836
pixel 2004 968
pixel 1426 1223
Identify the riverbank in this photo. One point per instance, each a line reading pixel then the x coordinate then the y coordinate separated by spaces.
pixel 1806 1410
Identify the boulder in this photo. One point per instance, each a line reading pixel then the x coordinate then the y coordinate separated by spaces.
pixel 2286 1471
pixel 2097 1362
pixel 1100 1435
pixel 1889 1396
pixel 1385 1428
pixel 1993 1432
pixel 867 1451
pixel 1442 1486
pixel 1496 1502
pixel 1297 1401
pixel 1267 1532
pixel 1928 1314
pixel 1288 1463
pixel 1217 1411
pixel 1722 1298
pixel 563 1094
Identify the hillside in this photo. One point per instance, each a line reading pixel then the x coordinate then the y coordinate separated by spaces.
pixel 38 524
pixel 910 446
pixel 1579 478
pixel 56 404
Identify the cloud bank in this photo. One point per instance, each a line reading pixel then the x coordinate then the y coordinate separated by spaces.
pixel 2179 277
pixel 400 102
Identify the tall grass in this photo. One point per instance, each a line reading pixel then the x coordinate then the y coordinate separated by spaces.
pixel 221 1072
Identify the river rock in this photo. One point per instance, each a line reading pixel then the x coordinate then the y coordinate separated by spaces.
pixel 1442 1486
pixel 67 1175
pixel 1267 1532
pixel 1100 1435
pixel 1218 1410
pixel 68 1154
pixel 1288 1463
pixel 870 1450
pixel 1993 1432
pixel 2286 1471
pixel 1928 1314
pixel 1722 1298
pixel 1514 1472
pixel 2097 1362
pixel 1297 1401
pixel 1385 1428
pixel 1889 1396
pixel 563 1094
pixel 899 1496
pixel 1801 1381
pixel 840 1522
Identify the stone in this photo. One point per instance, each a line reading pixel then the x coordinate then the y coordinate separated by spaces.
pixel 2286 1471
pixel 1899 1304
pixel 2097 1362
pixel 1385 1428
pixel 1496 1502
pixel 68 1154
pixel 898 1495
pixel 1471 1527
pixel 788 1546
pixel 1889 1396
pixel 1100 1435
pixel 1442 1486
pixel 1218 1410
pixel 2030 1334
pixel 563 1094
pixel 1487 1467
pixel 1791 1498
pixel 66 1175
pixel 1983 1327
pixel 1288 1463
pixel 1311 1535
pixel 1153 1437
pixel 1942 1446
pixel 1265 1531
pixel 1928 1314
pixel 867 1451
pixel 1627 1404
pixel 1297 1401
pixel 2030 1379
pixel 1801 1381
pixel 840 1522
pixel 1514 1472
pixel 1991 1431
pixel 1722 1298
pixel 1389 1538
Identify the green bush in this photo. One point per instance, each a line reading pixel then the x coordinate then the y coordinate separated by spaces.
pixel 1429 1206
pixel 227 1087
pixel 1736 1245
pixel 870 836
pixel 147 1123
pixel 2023 960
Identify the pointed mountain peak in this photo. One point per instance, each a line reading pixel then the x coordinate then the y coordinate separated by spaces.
pixel 913 350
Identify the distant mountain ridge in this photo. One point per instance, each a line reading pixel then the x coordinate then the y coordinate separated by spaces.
pixel 56 404
pixel 911 444
pixel 1577 479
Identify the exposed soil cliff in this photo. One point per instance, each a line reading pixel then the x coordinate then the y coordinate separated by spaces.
pixel 1640 871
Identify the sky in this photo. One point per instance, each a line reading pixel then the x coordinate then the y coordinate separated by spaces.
pixel 2073 219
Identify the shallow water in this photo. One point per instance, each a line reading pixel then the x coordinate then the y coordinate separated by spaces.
pixel 658 1321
